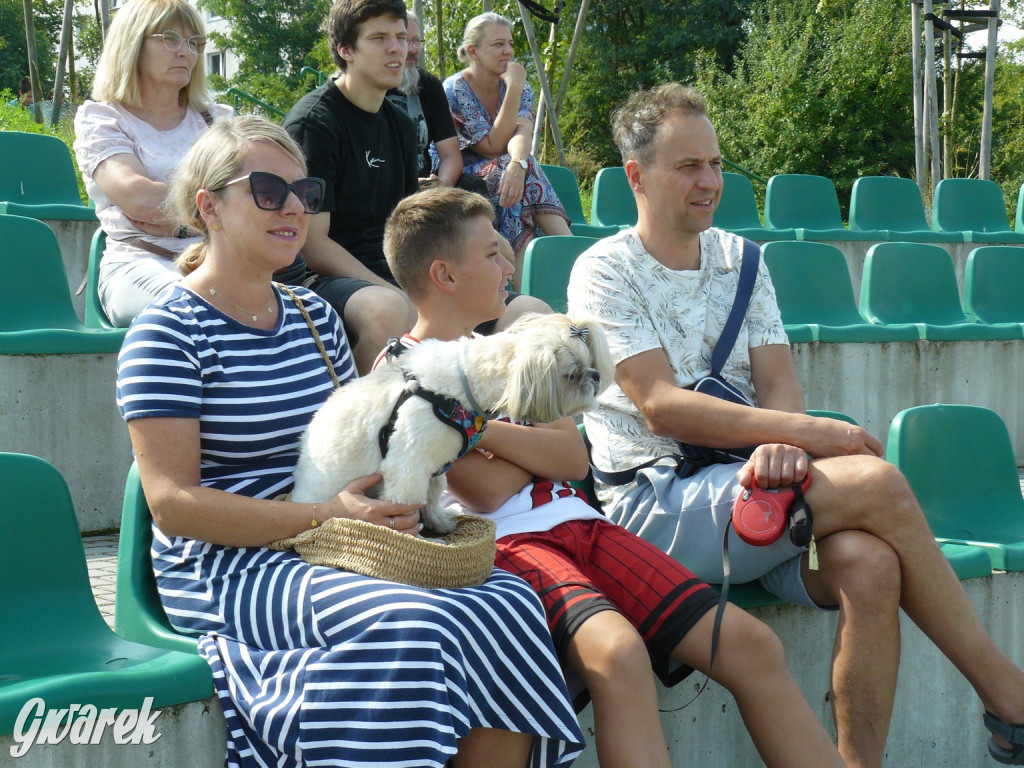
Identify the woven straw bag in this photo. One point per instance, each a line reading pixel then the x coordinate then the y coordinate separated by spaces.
pixel 463 558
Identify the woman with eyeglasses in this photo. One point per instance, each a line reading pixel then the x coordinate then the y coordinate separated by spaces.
pixel 313 666
pixel 150 104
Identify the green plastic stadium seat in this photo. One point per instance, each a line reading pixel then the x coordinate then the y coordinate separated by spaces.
pixel 1018 224
pixel 138 613
pixel 547 263
pixel 892 207
pixel 994 284
pixel 613 204
pixel 808 204
pixel 813 290
pixel 567 188
pixel 974 207
pixel 38 317
pixel 37 178
pixel 960 463
pixel 915 283
pixel 55 643
pixel 737 211
pixel 95 317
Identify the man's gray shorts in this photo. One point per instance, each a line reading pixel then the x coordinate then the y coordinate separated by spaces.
pixel 686 517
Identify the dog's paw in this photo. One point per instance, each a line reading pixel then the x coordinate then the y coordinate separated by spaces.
pixel 438 520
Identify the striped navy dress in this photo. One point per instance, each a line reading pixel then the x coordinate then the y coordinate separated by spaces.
pixel 316 666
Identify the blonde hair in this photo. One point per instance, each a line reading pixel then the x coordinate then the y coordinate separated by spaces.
pixel 636 121
pixel 215 159
pixel 428 226
pixel 476 28
pixel 117 74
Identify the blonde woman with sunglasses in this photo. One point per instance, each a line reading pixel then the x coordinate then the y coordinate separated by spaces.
pixel 150 105
pixel 313 665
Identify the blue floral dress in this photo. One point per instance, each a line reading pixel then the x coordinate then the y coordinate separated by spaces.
pixel 472 123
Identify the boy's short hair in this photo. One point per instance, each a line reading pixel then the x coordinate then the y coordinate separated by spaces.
pixel 428 226
pixel 348 16
pixel 636 121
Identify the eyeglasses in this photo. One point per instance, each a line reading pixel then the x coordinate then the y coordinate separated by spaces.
pixel 270 192
pixel 173 40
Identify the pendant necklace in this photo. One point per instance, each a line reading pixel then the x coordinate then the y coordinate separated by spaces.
pixel 255 318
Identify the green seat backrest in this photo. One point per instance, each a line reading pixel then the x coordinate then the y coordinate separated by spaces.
pixel 36 169
pixel 887 203
pixel 53 640
pixel 812 283
pixel 969 205
pixel 138 613
pixel 547 264
pixel 567 188
pixel 959 462
pixel 802 201
pixel 910 283
pixel 1018 225
pixel 95 317
pixel 994 284
pixel 738 207
pixel 30 258
pixel 613 203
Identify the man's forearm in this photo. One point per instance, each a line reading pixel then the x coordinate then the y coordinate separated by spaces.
pixel 326 257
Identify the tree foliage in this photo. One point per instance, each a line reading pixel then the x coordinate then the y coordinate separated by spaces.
pixel 819 87
pixel 13 53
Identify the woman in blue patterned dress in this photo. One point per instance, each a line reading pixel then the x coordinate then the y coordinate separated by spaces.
pixel 313 666
pixel 492 106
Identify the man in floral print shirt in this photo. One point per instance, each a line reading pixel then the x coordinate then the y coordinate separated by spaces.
pixel 662 291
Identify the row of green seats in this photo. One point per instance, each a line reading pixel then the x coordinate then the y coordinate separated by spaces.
pixel 37 178
pixel 806 207
pixel 908 292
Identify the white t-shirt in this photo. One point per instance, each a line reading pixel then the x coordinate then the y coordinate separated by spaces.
pixel 539 506
pixel 104 129
pixel 643 305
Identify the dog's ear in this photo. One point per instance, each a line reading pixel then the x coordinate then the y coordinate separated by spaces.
pixel 600 354
pixel 533 391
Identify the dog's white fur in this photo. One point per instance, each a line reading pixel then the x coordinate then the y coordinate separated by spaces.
pixel 534 371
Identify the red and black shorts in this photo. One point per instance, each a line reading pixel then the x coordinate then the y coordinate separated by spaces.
pixel 582 567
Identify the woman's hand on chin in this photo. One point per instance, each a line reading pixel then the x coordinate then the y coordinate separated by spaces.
pixel 514 76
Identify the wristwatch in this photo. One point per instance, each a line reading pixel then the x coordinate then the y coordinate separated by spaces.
pixel 521 163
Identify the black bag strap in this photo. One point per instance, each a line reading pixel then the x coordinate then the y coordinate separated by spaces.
pixel 744 290
pixel 726 341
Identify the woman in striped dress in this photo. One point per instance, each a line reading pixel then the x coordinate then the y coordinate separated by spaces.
pixel 313 666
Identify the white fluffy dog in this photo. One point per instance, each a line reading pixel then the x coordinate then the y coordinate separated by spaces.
pixel 543 368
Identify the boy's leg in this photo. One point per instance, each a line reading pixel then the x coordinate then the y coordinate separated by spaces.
pixel 750 664
pixel 609 656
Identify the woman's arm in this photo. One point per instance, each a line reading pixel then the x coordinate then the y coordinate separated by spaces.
pixel 517 454
pixel 123 180
pixel 167 452
pixel 507 123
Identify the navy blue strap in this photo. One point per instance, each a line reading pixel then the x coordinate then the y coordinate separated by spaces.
pixel 744 289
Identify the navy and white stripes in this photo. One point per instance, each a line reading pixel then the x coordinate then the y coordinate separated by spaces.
pixel 316 666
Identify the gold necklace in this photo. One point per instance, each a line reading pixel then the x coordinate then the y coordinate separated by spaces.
pixel 255 318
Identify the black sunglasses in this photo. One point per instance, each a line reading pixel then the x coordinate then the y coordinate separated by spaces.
pixel 270 192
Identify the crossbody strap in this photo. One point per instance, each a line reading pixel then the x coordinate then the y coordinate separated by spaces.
pixel 744 290
pixel 312 330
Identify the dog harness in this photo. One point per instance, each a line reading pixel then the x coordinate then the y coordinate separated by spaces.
pixel 449 411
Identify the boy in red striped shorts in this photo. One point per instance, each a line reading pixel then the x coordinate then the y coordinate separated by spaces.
pixel 616 605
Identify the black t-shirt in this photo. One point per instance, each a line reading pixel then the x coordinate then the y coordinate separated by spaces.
pixel 368 161
pixel 437 122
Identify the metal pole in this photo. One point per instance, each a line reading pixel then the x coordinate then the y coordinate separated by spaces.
pixel 531 37
pixel 920 168
pixel 985 161
pixel 931 98
pixel 577 33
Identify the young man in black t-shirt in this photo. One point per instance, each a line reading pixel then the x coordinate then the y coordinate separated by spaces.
pixel 365 150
